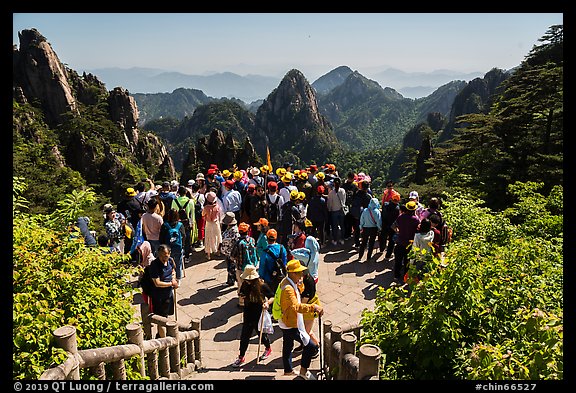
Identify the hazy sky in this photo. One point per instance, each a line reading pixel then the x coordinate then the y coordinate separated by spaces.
pixel 271 44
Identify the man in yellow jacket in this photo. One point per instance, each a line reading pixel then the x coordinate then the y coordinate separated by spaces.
pixel 292 321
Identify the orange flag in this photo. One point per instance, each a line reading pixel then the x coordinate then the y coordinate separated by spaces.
pixel 268 162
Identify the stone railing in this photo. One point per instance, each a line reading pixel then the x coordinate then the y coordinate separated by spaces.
pixel 340 360
pixel 174 355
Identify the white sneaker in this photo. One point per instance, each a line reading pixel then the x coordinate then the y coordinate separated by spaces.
pixel 341 241
pixel 334 242
pixel 308 376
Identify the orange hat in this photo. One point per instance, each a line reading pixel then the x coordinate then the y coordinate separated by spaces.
pixel 396 197
pixel 272 234
pixel 262 221
pixel 243 227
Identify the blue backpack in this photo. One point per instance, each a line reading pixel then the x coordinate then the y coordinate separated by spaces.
pixel 249 254
pixel 174 237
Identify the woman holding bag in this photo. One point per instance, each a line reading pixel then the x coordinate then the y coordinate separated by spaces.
pixel 257 298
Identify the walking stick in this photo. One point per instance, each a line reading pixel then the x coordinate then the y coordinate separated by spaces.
pixel 260 338
pixel 175 306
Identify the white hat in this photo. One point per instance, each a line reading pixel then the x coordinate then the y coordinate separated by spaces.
pixel 191 182
pixel 413 195
pixel 200 176
pixel 152 193
pixel 255 171
pixel 174 183
pixel 249 273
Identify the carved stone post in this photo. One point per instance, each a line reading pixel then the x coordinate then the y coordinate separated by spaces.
pixel 335 333
pixel 65 338
pixel 172 331
pixel 369 356
pixel 195 323
pixel 136 336
pixel 347 346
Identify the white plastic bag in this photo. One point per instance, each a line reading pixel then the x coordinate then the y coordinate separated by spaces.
pixel 265 323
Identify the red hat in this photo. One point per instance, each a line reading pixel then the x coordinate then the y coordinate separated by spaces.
pixel 251 185
pixel 211 171
pixel 229 183
pixel 315 167
pixel 214 166
pixel 320 189
pixel 272 185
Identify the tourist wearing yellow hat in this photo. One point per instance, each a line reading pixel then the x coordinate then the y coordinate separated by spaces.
pixel 292 320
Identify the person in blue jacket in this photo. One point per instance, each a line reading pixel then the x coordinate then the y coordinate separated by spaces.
pixel 370 225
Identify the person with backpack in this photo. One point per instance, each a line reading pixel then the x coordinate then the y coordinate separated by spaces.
pixel 262 242
pixel 317 213
pixel 370 225
pixel 166 197
pixel 184 206
pixel 272 266
pixel 360 201
pixel 173 234
pixel 243 254
pixel 289 214
pixel 257 298
pixel 273 202
pixel 444 235
pixel 291 320
pixel 145 258
pixel 229 239
pixel 405 226
pixel 198 202
pixel 351 188
pixel 257 209
pixel 390 212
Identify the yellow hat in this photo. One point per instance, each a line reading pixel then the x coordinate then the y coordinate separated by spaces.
pixel 307 223
pixel 226 173
pixel 294 266
pixel 296 172
pixel 294 195
pixel 237 175
pixel 411 205
pixel 303 175
pixel 320 175
pixel 265 168
pixel 301 195
pixel 287 178
pixel 281 171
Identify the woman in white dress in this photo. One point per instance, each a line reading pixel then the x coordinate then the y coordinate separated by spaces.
pixel 212 231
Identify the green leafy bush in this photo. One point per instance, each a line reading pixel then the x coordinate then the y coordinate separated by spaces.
pixel 492 310
pixel 58 281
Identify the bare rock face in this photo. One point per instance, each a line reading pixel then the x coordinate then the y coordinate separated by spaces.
pixel 289 120
pixel 221 150
pixel 42 77
pixel 152 153
pixel 124 112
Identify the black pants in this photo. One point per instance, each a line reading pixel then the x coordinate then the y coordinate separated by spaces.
pixel 318 231
pixel 288 337
pixel 368 236
pixel 401 260
pixel 387 238
pixel 356 230
pixel 163 306
pixel 348 225
pixel 247 328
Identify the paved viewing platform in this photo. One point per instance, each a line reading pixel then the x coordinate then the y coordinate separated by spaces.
pixel 345 287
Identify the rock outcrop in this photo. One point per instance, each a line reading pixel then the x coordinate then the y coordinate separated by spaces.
pixel 289 120
pixel 123 111
pixel 42 77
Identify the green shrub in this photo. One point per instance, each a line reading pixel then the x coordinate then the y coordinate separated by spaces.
pixel 498 290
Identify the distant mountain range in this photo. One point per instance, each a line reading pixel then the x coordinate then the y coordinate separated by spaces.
pixel 249 88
